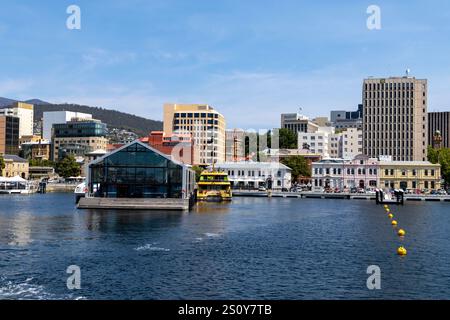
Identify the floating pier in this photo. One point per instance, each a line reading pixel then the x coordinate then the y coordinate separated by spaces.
pixel 134 204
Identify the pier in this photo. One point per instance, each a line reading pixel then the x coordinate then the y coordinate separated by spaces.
pixel 134 204
pixel 320 195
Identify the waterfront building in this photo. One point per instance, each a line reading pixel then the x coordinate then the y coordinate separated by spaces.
pixel 298 123
pixel 352 143
pixel 360 172
pixel 78 138
pixel 235 145
pixel 316 142
pixel 205 125
pixel 137 170
pixel 341 119
pixel 9 134
pixel 38 173
pixel 395 118
pixel 251 175
pixel 25 112
pixel 50 118
pixel 36 150
pixel 15 166
pixel 414 175
pixel 439 121
pixel 179 146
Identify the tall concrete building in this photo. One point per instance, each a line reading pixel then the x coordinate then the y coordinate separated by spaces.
pixel 204 123
pixel 25 112
pixel 53 117
pixel 439 121
pixel 395 118
pixel 298 123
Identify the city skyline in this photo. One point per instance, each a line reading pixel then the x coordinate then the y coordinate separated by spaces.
pixel 241 58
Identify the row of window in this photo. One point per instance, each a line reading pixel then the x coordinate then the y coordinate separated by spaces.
pixel 404 172
pixel 252 173
pixel 196 115
pixel 389 86
pixel 390 103
pixel 349 171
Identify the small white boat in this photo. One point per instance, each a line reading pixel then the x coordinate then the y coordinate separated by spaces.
pixel 80 191
pixel 16 185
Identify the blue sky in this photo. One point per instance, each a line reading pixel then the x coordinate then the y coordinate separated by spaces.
pixel 251 59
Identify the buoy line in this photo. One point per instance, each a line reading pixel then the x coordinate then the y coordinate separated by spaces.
pixel 401 251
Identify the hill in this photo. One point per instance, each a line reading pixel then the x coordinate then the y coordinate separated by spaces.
pixel 115 119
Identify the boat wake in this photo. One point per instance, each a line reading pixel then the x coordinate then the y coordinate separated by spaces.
pixel 151 247
pixel 28 290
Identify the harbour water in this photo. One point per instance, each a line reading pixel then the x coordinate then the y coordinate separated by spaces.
pixel 251 248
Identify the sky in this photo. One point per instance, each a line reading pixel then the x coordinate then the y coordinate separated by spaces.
pixel 250 59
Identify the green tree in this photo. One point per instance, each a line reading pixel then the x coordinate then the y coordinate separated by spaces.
pixel 288 139
pixel 299 166
pixel 198 171
pixel 68 167
pixel 441 156
pixel 41 163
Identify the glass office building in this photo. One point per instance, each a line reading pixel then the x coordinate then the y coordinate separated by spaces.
pixel 139 171
pixel 89 128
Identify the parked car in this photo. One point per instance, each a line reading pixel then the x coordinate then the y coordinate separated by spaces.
pixel 284 190
pixel 262 189
pixel 318 189
pixel 442 192
pixel 353 190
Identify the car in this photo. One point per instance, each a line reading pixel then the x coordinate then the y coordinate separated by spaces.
pixel 353 190
pixel 442 192
pixel 318 189
pixel 284 190
pixel 262 189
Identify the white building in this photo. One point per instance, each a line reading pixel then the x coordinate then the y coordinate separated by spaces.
pixel 335 145
pixel 25 113
pixel 252 175
pixel 317 142
pixel 54 117
pixel 352 143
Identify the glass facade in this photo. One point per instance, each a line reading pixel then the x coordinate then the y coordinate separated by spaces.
pixel 138 172
pixel 79 129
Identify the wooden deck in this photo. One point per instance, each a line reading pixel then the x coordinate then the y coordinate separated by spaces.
pixel 133 204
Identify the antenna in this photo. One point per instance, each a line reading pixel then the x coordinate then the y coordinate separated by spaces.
pixel 408 71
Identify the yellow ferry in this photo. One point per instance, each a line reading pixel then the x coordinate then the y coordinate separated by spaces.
pixel 214 185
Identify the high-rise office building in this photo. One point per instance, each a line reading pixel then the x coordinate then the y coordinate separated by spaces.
pixel 78 138
pixel 25 112
pixel 50 118
pixel 439 121
pixel 9 134
pixel 395 118
pixel 204 123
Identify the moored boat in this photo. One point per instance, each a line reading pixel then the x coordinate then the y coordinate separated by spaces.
pixel 214 186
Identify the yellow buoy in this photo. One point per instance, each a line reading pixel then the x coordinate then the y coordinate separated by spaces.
pixel 401 251
pixel 387 210
pixel 390 215
pixel 394 223
pixel 401 232
pixel 386 206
